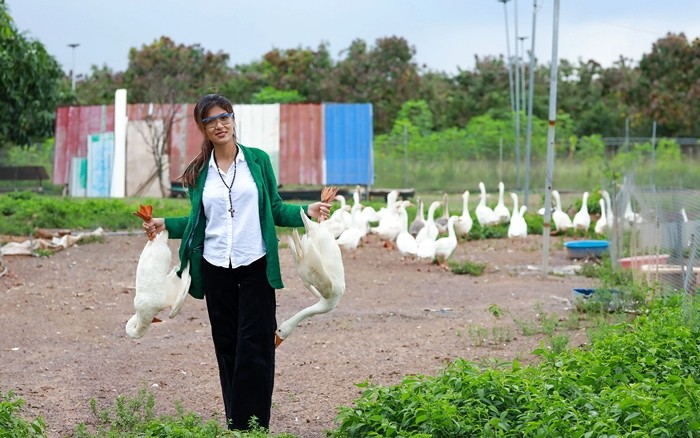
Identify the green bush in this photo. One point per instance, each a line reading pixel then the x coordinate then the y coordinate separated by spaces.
pixel 12 425
pixel 637 379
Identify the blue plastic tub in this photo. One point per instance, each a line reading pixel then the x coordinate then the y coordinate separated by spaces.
pixel 581 249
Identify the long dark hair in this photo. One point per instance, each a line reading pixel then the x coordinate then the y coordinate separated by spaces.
pixel 189 176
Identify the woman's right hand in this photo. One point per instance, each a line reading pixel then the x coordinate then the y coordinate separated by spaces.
pixel 153 227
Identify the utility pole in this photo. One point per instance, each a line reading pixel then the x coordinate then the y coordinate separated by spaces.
pixel 554 69
pixel 72 68
pixel 508 58
pixel 517 98
pixel 531 90
pixel 522 72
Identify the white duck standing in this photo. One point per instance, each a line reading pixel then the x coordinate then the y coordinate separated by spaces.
pixel 609 213
pixel 430 231
pixel 562 221
pixel 518 226
pixel 319 263
pixel 156 288
pixel 405 242
pixel 419 222
pixel 485 214
pixel 630 216
pixel 582 220
pixel 389 226
pixel 445 246
pixel 441 222
pixel 464 223
pixel 601 225
pixel 501 211
pixel 352 236
pixel 340 220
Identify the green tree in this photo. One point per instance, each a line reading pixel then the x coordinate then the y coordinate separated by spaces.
pixel 99 86
pixel 668 89
pixel 165 72
pixel 30 85
pixel 273 95
pixel 384 75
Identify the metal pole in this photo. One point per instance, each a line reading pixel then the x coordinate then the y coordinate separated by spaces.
pixel 550 142
pixel 653 151
pixel 500 160
pixel 72 68
pixel 627 134
pixel 405 155
pixel 508 60
pixel 531 90
pixel 522 72
pixel 517 98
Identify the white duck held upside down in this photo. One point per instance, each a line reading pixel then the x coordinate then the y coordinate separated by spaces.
pixel 319 263
pixel 156 288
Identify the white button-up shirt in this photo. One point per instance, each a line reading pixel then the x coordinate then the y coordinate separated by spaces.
pixel 232 241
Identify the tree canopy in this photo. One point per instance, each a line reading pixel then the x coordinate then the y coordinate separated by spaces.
pixel 31 85
pixel 663 86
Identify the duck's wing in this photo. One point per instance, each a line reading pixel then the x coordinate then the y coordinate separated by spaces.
pixel 180 291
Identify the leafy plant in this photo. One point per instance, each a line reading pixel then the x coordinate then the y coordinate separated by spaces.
pixel 12 425
pixel 467 267
pixel 495 311
pixel 637 378
pixel 136 417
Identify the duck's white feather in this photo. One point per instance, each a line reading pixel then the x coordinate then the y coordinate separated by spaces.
pixel 501 211
pixel 485 214
pixel 319 263
pixel 158 287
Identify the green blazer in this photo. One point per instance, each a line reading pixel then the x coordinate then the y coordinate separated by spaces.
pixel 190 229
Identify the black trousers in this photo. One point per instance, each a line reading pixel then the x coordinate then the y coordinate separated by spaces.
pixel 241 306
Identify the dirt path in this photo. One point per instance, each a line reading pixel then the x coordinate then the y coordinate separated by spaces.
pixel 63 339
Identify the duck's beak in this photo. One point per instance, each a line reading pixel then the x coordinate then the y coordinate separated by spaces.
pixel 278 340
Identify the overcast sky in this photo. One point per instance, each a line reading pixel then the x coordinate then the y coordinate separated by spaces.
pixel 447 34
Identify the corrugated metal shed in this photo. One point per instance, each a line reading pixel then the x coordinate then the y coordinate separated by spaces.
pixel 73 126
pixel 302 154
pixel 307 143
pixel 348 136
pixel 259 126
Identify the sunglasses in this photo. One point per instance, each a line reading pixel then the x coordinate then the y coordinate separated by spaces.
pixel 224 118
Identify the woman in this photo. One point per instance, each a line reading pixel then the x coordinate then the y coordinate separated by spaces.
pixel 230 242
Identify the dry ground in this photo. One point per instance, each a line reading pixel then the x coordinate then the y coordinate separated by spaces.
pixel 63 341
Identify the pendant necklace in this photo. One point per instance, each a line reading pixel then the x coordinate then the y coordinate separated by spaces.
pixel 230 202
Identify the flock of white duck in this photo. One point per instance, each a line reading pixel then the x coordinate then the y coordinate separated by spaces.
pixel 421 238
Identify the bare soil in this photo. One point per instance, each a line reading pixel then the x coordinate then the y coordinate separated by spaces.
pixel 63 341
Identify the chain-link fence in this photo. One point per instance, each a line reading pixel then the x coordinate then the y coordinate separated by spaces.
pixel 656 234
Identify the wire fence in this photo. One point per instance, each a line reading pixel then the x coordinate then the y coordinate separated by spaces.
pixel 656 233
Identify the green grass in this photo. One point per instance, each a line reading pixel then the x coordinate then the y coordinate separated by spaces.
pixel 457 176
pixel 126 418
pixel 24 212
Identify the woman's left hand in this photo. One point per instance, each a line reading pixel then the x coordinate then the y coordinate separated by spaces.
pixel 319 210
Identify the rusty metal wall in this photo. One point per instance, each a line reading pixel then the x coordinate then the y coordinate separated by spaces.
pixel 308 144
pixel 73 126
pixel 302 153
pixel 259 126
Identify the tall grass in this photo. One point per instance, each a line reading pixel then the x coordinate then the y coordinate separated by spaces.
pixel 568 175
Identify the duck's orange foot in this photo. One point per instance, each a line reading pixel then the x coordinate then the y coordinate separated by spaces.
pixel 145 212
